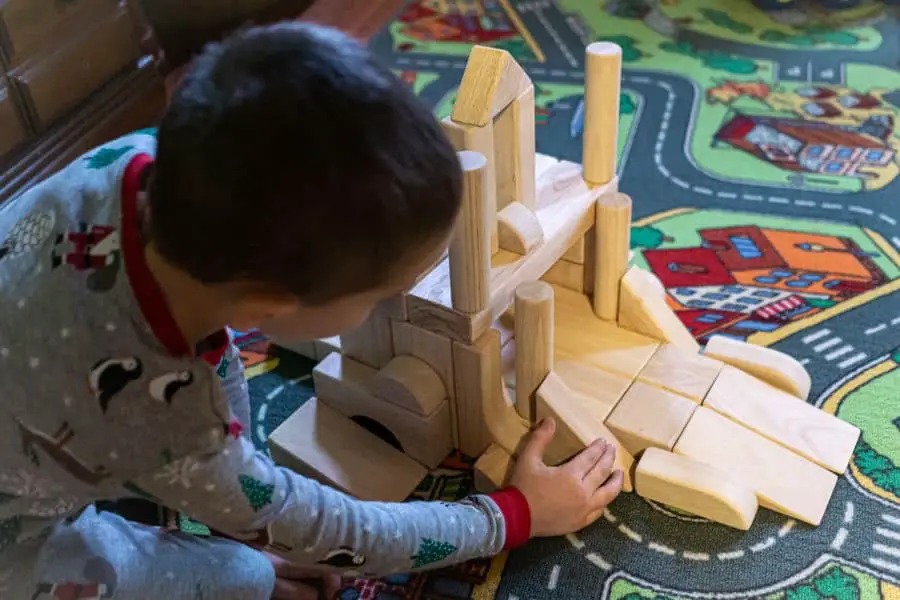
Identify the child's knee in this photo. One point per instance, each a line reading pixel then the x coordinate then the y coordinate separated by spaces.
pixel 248 576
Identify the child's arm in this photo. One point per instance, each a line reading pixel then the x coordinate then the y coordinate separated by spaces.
pixel 240 492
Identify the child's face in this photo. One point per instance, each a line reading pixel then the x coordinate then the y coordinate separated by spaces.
pixel 346 313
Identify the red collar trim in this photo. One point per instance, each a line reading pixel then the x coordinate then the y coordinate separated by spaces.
pixel 146 291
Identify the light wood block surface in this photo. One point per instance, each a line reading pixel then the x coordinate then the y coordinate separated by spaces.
pixel 604 388
pixel 681 371
pixel 649 417
pixel 470 252
pixel 518 229
pixel 783 481
pixel 777 368
pixel 613 231
pixel 785 419
pixel 492 469
pixel 602 79
pixel 534 342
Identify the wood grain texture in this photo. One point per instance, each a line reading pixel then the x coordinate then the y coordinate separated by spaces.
pixel 491 81
pixel 774 367
pixel 603 74
pixel 613 231
pixel 411 383
pixel 783 481
pixel 514 151
pixel 681 371
pixel 785 419
pixel 648 417
pixel 371 343
pixel 470 252
pixel 605 389
pixel 643 309
pixel 696 488
pixel 534 342
pixel 518 229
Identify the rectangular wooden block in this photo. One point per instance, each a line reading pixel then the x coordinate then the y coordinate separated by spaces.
pixel 326 346
pixel 371 343
pixel 682 371
pixel 492 469
pixel 566 274
pixel 582 337
pixel 578 424
pixel 783 418
pixel 783 481
pixel 604 388
pixel 393 308
pixel 320 443
pixel 346 385
pixel 476 372
pixel 649 417
pixel 689 485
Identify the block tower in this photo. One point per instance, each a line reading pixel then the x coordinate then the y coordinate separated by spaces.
pixel 536 311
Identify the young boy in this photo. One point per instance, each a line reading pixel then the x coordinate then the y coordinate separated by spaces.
pixel 294 184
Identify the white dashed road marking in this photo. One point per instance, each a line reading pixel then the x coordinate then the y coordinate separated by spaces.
pixel 831 343
pixel 816 336
pixel 554 578
pixel 856 358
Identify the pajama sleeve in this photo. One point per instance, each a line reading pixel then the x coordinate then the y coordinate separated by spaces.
pixel 242 493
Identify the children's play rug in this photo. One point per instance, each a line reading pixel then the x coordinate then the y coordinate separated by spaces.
pixel 762 157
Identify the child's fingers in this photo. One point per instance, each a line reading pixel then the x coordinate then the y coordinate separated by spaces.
pixel 601 469
pixel 583 462
pixel 288 589
pixel 607 492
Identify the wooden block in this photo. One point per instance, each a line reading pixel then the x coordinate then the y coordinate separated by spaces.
pixel 643 310
pixel 12 132
pixel 604 388
pixel 785 419
pixel 514 134
pixel 567 275
pixel 481 140
pixel 508 367
pixel 492 469
pixel 590 260
pixel 470 252
pixel 566 216
pixel 783 481
pixel 411 383
pixel 476 372
pixel 491 81
pixel 613 230
pixel 691 486
pixel 581 337
pixel 534 342
pixel 518 229
pixel 777 368
pixel 577 425
pixel 326 346
pixel 371 343
pixel 393 308
pixel 575 254
pixel 506 324
pixel 347 386
pixel 681 371
pixel 602 79
pixel 320 443
pixel 648 417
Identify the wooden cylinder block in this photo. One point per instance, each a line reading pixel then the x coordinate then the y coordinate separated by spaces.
pixel 534 342
pixel 613 225
pixel 411 383
pixel 603 73
pixel 470 251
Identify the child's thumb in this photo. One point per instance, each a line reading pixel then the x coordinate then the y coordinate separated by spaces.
pixel 538 441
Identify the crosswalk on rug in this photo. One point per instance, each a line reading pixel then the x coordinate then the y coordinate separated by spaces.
pixel 761 152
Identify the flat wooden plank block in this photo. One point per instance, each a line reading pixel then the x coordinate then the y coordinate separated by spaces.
pixel 319 442
pixel 604 388
pixel 577 425
pixel 682 371
pixel 648 417
pixel 783 481
pixel 777 368
pixel 783 418
pixel 581 337
pixel 689 485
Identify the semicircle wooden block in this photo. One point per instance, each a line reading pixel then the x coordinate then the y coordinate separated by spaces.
pixel 518 229
pixel 775 368
pixel 686 484
pixel 491 81
pixel 410 382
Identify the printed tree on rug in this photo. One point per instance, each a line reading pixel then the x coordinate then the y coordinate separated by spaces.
pixel 258 494
pixel 432 551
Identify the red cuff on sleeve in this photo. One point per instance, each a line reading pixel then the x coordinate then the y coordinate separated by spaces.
pixel 516 513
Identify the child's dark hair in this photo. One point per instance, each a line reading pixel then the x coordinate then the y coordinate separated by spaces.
pixel 289 158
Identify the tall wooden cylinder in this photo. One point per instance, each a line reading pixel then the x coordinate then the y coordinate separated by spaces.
pixel 470 250
pixel 534 342
pixel 613 236
pixel 602 76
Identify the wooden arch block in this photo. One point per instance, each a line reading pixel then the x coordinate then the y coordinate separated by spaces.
pixel 774 367
pixel 411 383
pixel 519 230
pixel 691 486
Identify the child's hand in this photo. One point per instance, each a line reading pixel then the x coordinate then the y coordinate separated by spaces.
pixel 295 582
pixel 571 496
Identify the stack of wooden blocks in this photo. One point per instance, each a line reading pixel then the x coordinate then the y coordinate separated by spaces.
pixel 536 312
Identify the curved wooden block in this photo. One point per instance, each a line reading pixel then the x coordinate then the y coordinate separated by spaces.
pixel 491 81
pixel 410 382
pixel 691 486
pixel 518 229
pixel 772 366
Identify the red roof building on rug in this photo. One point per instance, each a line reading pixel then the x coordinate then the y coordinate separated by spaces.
pixel 470 21
pixel 799 145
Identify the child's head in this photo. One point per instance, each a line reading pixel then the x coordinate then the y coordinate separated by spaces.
pixel 290 165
